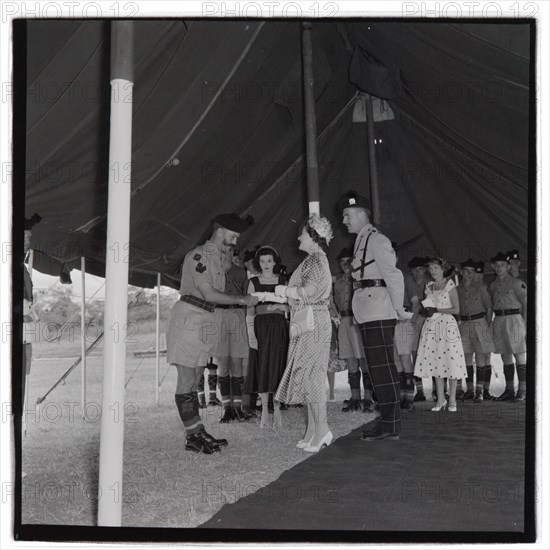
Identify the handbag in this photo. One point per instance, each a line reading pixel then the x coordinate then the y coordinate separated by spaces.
pixel 301 321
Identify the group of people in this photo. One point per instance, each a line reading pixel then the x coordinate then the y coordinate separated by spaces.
pixel 272 335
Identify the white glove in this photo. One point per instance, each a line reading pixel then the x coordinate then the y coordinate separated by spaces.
pixel 280 290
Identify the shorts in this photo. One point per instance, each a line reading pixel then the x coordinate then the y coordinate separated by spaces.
pixel 476 336
pixel 349 340
pixel 191 335
pixel 406 337
pixel 232 338
pixel 509 334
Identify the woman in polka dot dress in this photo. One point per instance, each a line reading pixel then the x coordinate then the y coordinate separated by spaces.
pixel 440 351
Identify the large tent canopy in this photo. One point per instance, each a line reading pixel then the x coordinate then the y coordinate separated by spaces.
pixel 218 126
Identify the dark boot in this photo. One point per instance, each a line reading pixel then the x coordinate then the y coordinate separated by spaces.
pixel 197 443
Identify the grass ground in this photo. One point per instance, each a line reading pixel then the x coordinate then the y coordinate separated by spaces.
pixel 163 485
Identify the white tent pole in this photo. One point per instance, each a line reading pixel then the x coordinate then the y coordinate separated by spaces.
pixel 311 123
pixel 116 276
pixel 83 333
pixel 157 330
pixel 26 396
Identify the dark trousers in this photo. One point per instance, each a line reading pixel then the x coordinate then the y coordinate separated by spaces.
pixel 377 337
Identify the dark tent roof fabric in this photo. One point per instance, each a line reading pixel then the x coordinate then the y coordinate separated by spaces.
pixel 225 99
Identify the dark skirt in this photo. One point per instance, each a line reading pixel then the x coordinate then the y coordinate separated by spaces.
pixel 267 364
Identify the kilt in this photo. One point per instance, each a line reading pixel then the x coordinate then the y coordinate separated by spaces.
pixel 378 337
pixel 233 335
pixel 349 340
pixel 191 335
pixel 509 334
pixel 476 336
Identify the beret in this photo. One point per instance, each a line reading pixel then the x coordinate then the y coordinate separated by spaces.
pixel 513 254
pixel 417 261
pixel 500 257
pixel 480 267
pixel 469 263
pixel 345 253
pixel 233 222
pixel 353 200
pixel 32 221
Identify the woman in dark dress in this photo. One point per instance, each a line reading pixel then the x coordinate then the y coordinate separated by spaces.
pixel 267 333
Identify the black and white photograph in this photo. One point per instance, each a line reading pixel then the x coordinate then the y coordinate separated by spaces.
pixel 272 272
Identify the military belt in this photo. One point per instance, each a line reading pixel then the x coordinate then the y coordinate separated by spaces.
pixel 368 283
pixel 473 317
pixel 198 302
pixel 500 312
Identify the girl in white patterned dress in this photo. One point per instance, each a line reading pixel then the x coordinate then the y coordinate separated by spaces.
pixel 440 351
pixel 308 353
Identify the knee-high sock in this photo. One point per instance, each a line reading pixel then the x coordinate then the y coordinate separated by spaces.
pixel 522 379
pixel 225 390
pixel 212 383
pixel 200 389
pixel 409 387
pixel 188 407
pixel 354 379
pixel 469 378
pixel 488 376
pixel 509 376
pixel 367 386
pixel 480 379
pixel 402 385
pixel 418 384
pixel 236 389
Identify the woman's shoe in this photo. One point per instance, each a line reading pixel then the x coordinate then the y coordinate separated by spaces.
pixel 441 407
pixel 452 408
pixel 303 443
pixel 325 442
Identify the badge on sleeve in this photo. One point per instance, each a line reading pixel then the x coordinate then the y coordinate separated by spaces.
pixel 197 257
pixel 201 268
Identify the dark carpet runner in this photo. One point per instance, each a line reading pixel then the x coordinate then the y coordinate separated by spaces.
pixel 459 471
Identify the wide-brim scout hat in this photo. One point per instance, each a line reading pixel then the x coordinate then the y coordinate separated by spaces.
pixel 345 253
pixel 32 221
pixel 352 200
pixel 233 222
pixel 468 263
pixel 417 261
pixel 500 257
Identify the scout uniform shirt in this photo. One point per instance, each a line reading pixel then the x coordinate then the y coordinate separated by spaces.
pixel 506 292
pixel 193 331
pixel 343 293
pixel 473 299
pixel 377 262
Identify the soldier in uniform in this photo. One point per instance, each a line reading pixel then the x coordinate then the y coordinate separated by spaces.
pixel 349 339
pixel 377 304
pixel 408 333
pixel 478 279
pixel 232 348
pixel 515 263
pixel 509 297
pixel 476 313
pixel 193 328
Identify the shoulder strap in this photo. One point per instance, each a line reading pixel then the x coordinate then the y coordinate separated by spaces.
pixel 363 263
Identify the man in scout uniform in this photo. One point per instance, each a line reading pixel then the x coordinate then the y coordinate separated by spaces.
pixel 349 339
pixel 509 297
pixel 478 279
pixel 194 325
pixel 515 264
pixel 232 347
pixel 476 313
pixel 415 287
pixel 377 304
